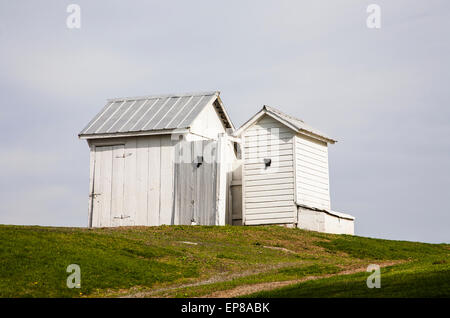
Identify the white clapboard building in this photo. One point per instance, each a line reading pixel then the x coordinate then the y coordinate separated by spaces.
pixel 285 177
pixel 177 159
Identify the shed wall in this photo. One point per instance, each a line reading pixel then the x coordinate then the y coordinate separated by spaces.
pixel 207 124
pixel 268 193
pixel 312 172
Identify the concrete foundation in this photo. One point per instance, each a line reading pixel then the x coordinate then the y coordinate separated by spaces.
pixel 325 221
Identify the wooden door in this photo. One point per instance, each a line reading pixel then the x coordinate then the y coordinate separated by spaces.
pixel 195 183
pixel 108 195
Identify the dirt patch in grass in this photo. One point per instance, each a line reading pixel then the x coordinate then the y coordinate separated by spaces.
pixel 253 288
pixel 215 279
pixel 280 249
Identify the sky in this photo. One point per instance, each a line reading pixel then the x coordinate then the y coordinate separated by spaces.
pixel 383 93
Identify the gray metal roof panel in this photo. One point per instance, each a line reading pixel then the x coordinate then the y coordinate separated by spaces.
pixel 171 114
pixel 100 119
pixel 156 114
pixel 147 113
pixel 127 115
pixel 137 115
pixel 179 118
pixel 109 123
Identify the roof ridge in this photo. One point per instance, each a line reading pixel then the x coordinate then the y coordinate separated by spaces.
pixel 275 110
pixel 205 93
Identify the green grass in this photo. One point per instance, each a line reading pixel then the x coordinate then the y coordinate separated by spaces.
pixel 425 274
pixel 33 262
pixel 412 280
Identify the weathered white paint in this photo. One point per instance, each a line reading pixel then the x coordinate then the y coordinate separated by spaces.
pixel 263 203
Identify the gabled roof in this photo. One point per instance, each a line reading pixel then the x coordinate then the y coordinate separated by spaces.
pixel 295 124
pixel 156 114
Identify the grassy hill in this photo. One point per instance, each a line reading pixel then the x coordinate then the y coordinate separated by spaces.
pixel 185 261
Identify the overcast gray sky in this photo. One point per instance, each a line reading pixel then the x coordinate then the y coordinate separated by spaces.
pixel 383 93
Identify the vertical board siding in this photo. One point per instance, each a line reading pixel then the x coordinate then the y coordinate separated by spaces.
pixel 195 185
pixel 166 184
pixel 97 205
pixel 153 177
pixel 91 182
pixel 118 212
pixel 130 183
pixel 142 181
pixel 312 172
pixel 106 155
pixel 268 193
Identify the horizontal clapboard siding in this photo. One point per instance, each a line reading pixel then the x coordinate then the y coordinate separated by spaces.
pixel 275 159
pixel 312 172
pixel 268 192
pixel 250 184
pixel 260 165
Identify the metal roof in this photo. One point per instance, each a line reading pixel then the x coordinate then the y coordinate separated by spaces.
pixel 152 113
pixel 294 123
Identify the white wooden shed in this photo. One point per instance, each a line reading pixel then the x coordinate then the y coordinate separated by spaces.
pixel 177 159
pixel 285 177
pixel 136 173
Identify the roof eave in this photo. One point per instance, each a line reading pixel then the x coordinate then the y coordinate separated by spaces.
pixel 134 133
pixel 225 112
pixel 313 135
